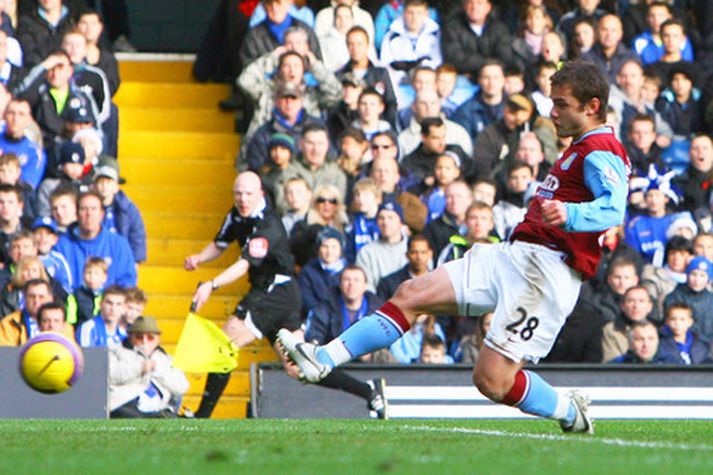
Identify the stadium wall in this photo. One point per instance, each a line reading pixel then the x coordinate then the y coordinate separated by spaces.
pixel 420 391
pixel 87 399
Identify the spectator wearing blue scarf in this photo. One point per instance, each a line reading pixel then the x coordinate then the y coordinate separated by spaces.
pixel 319 276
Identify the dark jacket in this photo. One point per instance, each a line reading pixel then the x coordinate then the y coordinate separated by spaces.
pixel 668 349
pixel 489 150
pixel 258 153
pixel 107 63
pixel 700 302
pixel 632 358
pixel 467 51
pixel 609 66
pixel 389 284
pixel 475 115
pixel 259 41
pixel 130 224
pixel 696 188
pixel 580 340
pixel 325 322
pixel 83 301
pixel 421 164
pixel 439 231
pixel 316 284
pixel 38 38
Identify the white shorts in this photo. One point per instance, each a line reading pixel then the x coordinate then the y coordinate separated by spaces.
pixel 529 288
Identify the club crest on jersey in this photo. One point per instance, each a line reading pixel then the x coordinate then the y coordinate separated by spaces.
pixel 257 247
pixel 568 161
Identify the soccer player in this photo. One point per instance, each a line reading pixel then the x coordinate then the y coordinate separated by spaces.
pixel 531 282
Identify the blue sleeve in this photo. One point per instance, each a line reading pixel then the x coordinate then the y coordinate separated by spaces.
pixel 123 265
pixel 606 177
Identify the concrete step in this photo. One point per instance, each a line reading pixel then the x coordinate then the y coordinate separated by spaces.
pixel 156 71
pixel 175 306
pixel 184 198
pixel 176 280
pixel 170 145
pixel 147 171
pixel 174 119
pixel 178 225
pixel 172 252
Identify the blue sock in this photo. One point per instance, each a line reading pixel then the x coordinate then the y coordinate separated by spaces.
pixel 371 333
pixel 541 399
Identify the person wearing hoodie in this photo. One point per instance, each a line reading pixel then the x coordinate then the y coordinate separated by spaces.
pixel 121 215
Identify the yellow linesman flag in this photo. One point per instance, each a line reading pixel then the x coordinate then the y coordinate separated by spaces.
pixel 204 348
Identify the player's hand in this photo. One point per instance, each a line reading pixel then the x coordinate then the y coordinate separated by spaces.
pixel 191 262
pixel 202 294
pixel 554 212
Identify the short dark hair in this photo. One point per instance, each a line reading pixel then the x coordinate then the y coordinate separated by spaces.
pixel 87 194
pixel 314 127
pixel 586 81
pixel 431 340
pixel 639 287
pixel 62 190
pixel 429 122
pixel 678 306
pixel 659 4
pixel 418 238
pixel 518 165
pixel 51 306
pixel 673 22
pixel 370 91
pixel 36 282
pixel 287 54
pixel 5 188
pixel 358 29
pixel 114 290
pixel 353 132
pixel 643 118
pixel 417 3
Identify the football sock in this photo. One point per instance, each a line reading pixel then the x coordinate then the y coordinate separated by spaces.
pixel 338 379
pixel 373 332
pixel 533 395
pixel 214 386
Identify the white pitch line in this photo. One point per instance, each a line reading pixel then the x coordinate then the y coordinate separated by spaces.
pixel 564 438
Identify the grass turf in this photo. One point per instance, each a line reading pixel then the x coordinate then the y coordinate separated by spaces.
pixel 352 447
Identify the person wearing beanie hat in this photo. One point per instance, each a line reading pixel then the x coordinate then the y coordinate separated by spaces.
pixel 71 172
pixel 321 274
pixel 388 254
pixel 661 281
pixel 121 215
pixel 279 168
pixel 143 383
pixel 695 293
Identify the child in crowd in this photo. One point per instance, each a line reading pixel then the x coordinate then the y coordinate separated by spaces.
pixel 298 197
pixel 407 349
pixel 354 154
pixel 695 294
pixel 680 104
pixel 446 78
pixel 136 301
pixel 514 81
pixel 679 341
pixel 484 190
pixel 44 232
pixel 84 303
pixel 446 171
pixel 71 167
pixel 365 206
pixel 510 210
pixel 541 94
pixel 433 351
pixel 10 172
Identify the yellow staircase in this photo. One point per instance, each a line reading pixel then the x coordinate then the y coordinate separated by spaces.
pixel 176 150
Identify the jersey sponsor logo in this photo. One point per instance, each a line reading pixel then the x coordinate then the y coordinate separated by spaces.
pixel 257 247
pixel 551 183
pixel 568 161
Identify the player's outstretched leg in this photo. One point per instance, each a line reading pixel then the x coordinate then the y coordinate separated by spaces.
pixel 432 293
pixel 504 381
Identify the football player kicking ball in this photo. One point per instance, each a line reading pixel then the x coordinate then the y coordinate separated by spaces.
pixel 532 282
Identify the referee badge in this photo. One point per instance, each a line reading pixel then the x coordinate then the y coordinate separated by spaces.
pixel 257 247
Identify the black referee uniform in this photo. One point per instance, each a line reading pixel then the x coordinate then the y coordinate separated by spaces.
pixel 274 300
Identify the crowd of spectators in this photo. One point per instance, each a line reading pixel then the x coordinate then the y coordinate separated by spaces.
pixel 393 136
pixel 71 240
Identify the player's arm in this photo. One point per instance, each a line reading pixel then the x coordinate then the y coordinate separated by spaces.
pixel 231 274
pixel 606 177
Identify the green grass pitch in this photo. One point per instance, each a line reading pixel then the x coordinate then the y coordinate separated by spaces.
pixel 346 447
